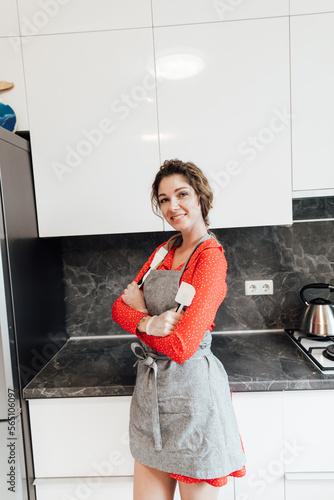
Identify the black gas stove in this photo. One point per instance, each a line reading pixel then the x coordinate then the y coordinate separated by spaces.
pixel 319 350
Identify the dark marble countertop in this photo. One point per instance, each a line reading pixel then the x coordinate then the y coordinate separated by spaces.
pixel 266 361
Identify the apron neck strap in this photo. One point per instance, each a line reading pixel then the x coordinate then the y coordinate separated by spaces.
pixel 177 239
pixel 173 241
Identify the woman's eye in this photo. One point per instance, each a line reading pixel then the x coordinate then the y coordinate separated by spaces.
pixel 162 201
pixel 183 194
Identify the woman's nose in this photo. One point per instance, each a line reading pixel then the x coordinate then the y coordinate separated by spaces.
pixel 174 204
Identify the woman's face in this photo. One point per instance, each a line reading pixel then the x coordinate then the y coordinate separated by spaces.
pixel 179 203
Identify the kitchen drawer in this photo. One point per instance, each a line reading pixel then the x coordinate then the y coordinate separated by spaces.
pixel 97 488
pixel 74 437
pixel 309 486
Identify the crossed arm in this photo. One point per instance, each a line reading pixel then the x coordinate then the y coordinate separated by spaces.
pixel 158 326
pixel 183 335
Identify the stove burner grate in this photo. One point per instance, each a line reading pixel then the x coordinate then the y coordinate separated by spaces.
pixel 304 342
pixel 329 352
pixel 311 336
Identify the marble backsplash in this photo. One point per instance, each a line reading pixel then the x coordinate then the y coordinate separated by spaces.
pixel 97 269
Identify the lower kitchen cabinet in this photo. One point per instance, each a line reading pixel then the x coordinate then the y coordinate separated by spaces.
pixel 289 448
pixel 260 420
pixel 81 450
pixel 75 437
pixel 310 472
pixel 306 415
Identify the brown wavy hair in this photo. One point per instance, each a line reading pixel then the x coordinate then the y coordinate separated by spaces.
pixel 195 178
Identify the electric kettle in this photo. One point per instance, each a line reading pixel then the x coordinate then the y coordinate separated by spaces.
pixel 318 317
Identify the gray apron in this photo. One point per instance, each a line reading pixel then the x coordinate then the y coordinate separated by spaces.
pixel 181 416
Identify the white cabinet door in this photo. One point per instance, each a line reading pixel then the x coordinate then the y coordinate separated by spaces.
pixel 306 416
pixel 312 83
pixel 260 422
pixel 223 99
pixel 9 23
pixel 78 437
pixel 92 111
pixel 39 17
pixel 310 6
pixel 173 12
pixel 11 70
pixel 92 488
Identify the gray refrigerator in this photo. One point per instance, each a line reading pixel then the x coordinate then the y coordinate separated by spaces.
pixel 32 311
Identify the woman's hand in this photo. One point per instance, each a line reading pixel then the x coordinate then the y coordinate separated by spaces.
pixel 133 297
pixel 164 324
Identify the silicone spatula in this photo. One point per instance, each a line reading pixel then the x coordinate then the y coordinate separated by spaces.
pixel 184 296
pixel 159 257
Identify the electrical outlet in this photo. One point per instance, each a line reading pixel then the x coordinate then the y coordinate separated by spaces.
pixel 259 287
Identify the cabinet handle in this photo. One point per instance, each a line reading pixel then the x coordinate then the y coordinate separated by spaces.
pixel 298 476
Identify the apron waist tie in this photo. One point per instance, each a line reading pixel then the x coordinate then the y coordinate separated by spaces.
pixel 149 359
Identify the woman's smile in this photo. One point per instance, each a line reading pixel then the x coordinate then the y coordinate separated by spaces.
pixel 177 217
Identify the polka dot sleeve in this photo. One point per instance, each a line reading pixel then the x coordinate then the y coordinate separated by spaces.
pixel 207 275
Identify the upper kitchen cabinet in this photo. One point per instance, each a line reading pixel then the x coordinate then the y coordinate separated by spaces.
pixel 224 103
pixel 311 6
pixel 9 23
pixel 172 12
pixel 11 70
pixel 312 83
pixel 70 16
pixel 94 136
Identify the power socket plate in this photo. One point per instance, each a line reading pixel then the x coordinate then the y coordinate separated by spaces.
pixel 259 287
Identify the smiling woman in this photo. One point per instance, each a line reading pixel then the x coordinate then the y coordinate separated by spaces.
pixel 182 424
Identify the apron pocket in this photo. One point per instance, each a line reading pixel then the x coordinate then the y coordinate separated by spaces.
pixel 183 423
